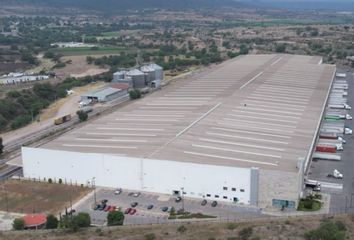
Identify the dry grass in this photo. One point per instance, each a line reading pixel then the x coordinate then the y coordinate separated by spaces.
pixel 291 229
pixel 28 196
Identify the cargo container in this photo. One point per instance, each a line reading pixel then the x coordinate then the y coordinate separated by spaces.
pixel 62 119
pixel 326 156
pixel 326 148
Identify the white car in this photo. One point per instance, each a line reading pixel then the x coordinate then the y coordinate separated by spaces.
pixel 118 191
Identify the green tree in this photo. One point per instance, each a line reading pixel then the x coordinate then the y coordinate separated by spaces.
pixel 115 218
pixel 327 231
pixel 134 94
pixel 82 115
pixel 18 224
pixel 1 146
pixel 280 48
pixel 52 222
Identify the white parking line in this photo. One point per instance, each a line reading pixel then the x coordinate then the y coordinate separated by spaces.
pixel 237 151
pixel 258 123
pixel 269 105
pixel 275 62
pixel 240 144
pixel 174 104
pixel 288 97
pixel 256 127
pixel 153 115
pixel 266 114
pixel 254 78
pixel 230 158
pixel 146 119
pixel 248 138
pixel 111 140
pixel 254 117
pixel 132 129
pixel 267 110
pixel 275 99
pixel 98 146
pixel 122 134
pixel 276 103
pixel 281 93
pixel 249 132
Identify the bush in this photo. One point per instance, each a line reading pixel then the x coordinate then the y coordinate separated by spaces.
pixel 60 181
pixel 231 226
pixel 1 146
pixel 82 115
pixel 181 229
pixel 52 222
pixel 18 224
pixel 115 218
pixel 82 219
pixel 50 180
pixel 246 233
pixel 327 231
pixel 150 236
pixel 134 94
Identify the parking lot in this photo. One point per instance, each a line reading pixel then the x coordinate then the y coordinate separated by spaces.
pixel 156 215
pixel 341 190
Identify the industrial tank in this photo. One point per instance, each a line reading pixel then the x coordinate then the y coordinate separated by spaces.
pixel 138 78
pixel 158 71
pixel 149 74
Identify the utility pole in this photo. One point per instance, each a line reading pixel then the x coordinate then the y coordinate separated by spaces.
pixel 6 199
pixel 94 189
pixel 182 188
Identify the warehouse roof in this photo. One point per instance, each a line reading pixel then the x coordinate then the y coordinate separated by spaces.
pixel 253 111
pixel 102 92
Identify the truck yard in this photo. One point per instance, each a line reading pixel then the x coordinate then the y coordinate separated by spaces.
pixel 333 161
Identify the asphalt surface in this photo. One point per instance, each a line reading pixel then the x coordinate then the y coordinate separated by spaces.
pixel 156 215
pixel 341 190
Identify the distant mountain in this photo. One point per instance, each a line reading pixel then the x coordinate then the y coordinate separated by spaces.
pixel 117 5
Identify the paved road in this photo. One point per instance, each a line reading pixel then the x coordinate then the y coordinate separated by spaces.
pixel 155 215
pixel 341 190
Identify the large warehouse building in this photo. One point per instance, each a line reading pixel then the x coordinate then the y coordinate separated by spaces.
pixel 242 132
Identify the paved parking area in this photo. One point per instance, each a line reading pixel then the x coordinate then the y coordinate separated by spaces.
pixel 156 215
pixel 341 190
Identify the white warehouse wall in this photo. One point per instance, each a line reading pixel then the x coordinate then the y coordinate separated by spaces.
pixel 140 174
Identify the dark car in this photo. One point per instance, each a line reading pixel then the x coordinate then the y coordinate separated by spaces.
pixel 150 206
pixel 134 204
pixel 204 202
pixel 96 207
pixel 164 209
pixel 102 207
pixel 127 211
pixel 178 199
pixel 133 211
pixel 214 203
pixel 104 201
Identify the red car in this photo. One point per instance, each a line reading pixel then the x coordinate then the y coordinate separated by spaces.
pixel 133 211
pixel 113 208
pixel 127 211
pixel 107 208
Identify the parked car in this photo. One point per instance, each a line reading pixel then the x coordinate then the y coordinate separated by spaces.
pixel 204 202
pixel 104 201
pixel 102 207
pixel 113 208
pixel 214 203
pixel 127 211
pixel 150 206
pixel 134 204
pixel 164 209
pixel 133 211
pixel 107 208
pixel 134 194
pixel 118 191
pixel 96 207
pixel 178 199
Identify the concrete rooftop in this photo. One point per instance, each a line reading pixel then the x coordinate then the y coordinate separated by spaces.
pixel 253 111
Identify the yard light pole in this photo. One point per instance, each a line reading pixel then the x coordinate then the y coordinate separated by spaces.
pixel 182 189
pixel 94 189
pixel 6 200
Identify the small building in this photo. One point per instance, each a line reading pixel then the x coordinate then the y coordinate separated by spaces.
pixel 104 94
pixel 34 221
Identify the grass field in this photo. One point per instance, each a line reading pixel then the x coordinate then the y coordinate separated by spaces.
pixel 27 196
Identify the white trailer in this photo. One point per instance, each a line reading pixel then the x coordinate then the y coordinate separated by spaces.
pixel 340 106
pixel 326 156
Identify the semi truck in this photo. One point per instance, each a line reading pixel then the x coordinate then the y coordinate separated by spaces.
pixel 315 185
pixel 326 148
pixel 331 136
pixel 338 116
pixel 340 106
pixel 62 119
pixel 326 156
pixel 340 130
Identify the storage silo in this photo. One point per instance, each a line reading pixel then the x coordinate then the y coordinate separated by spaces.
pixel 118 76
pixel 149 73
pixel 158 71
pixel 138 78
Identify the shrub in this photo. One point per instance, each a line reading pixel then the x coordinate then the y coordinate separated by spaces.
pixel 115 218
pixel 181 229
pixel 246 233
pixel 60 181
pixel 50 180
pixel 82 115
pixel 134 94
pixel 52 222
pixel 327 231
pixel 231 226
pixel 18 224
pixel 150 236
